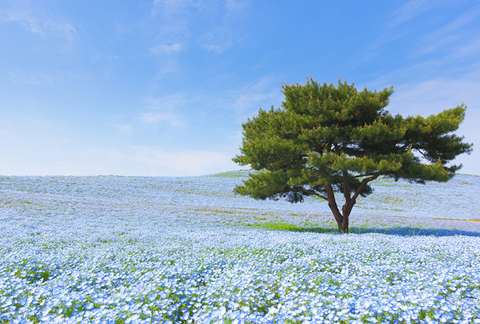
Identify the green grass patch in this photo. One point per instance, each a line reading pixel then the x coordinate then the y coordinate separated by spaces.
pixel 231 174
pixel 304 227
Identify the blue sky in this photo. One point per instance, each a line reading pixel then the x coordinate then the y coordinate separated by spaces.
pixel 160 88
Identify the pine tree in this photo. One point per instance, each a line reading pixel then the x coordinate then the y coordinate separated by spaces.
pixel 325 140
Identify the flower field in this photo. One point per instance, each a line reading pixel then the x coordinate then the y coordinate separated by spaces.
pixel 112 249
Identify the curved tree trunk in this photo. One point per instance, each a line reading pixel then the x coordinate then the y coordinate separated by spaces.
pixel 333 207
pixel 346 210
pixel 342 218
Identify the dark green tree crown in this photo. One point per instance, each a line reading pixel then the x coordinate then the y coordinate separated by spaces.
pixel 339 136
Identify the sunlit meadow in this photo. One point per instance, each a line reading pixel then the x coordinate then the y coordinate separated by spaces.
pixel 114 249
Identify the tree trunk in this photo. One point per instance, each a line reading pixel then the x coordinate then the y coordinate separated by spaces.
pixel 347 207
pixel 339 218
pixel 343 228
pixel 346 210
pixel 333 206
pixel 342 218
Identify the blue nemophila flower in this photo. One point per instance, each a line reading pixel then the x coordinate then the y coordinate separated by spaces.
pixel 148 250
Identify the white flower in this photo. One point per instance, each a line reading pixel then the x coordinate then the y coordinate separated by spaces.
pixel 272 310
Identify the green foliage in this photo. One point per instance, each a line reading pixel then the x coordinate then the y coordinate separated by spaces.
pixel 34 275
pixel 327 139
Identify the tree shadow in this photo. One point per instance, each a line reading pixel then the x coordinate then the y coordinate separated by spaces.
pixel 399 231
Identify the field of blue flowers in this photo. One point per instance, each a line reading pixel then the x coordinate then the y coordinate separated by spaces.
pixel 112 249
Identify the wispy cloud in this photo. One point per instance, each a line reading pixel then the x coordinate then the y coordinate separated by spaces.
pixel 21 77
pixel 453 38
pixel 169 63
pixel 124 128
pixel 434 95
pixel 409 10
pixel 46 77
pixel 173 18
pixel 180 25
pixel 444 46
pixel 164 109
pixel 236 5
pixel 183 163
pixel 217 24
pixel 167 49
pixel 170 6
pixel 169 21
pixel 168 102
pixel 469 50
pixel 250 97
pixel 390 31
pixel 400 25
pixel 228 30
pixel 41 23
pixel 150 118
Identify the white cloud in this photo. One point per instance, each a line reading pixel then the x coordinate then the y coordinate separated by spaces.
pixel 236 5
pixel 168 66
pixel 124 128
pixel 46 77
pixel 390 30
pixel 167 103
pixel 183 163
pixel 174 19
pixel 250 97
pixel 228 29
pixel 38 146
pixel 433 96
pixel 164 109
pixel 39 156
pixel 222 30
pixel 21 77
pixel 167 49
pixel 445 51
pixel 65 162
pixel 169 6
pixel 410 10
pixel 399 25
pixel 156 117
pixel 217 48
pixel 41 23
pixel 469 50
pixel 169 23
pixel 452 37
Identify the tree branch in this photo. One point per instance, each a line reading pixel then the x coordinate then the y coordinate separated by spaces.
pixel 367 174
pixel 346 187
pixel 314 193
pixel 362 185
pixel 423 154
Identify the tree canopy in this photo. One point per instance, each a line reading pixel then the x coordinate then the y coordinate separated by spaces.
pixel 325 140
